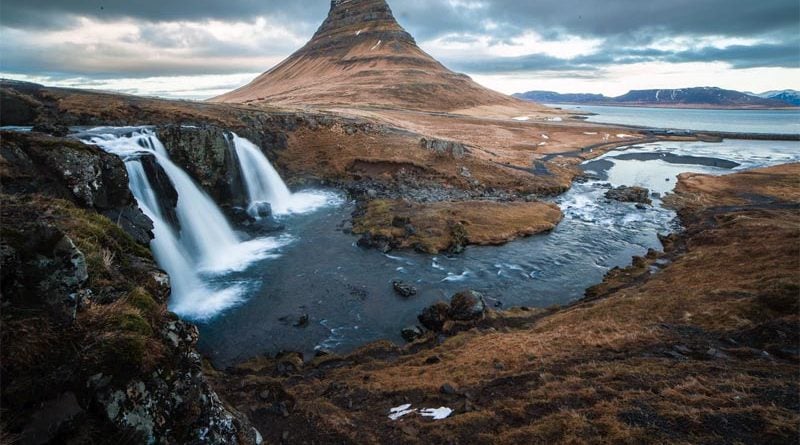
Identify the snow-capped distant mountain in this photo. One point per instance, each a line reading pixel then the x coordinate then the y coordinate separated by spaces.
pixel 701 97
pixel 791 97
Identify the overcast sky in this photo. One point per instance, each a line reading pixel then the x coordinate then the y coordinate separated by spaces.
pixel 201 48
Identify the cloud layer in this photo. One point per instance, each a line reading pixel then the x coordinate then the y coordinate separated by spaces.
pixel 92 40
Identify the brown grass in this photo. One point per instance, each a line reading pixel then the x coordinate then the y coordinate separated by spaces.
pixel 440 226
pixel 690 354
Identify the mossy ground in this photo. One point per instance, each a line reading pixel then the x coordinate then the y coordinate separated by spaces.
pixel 115 330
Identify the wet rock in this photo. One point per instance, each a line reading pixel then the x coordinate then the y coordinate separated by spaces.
pixel 167 195
pixel 207 154
pixel 379 242
pixel 322 352
pixel 434 317
pixel 53 129
pixel 411 333
pixel 630 194
pixel 404 289
pixel 466 306
pixel 261 210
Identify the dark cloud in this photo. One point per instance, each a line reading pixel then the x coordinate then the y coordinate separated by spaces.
pixel 784 55
pixel 627 28
pixel 46 13
pixel 428 18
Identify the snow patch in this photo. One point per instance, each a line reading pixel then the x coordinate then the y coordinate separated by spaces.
pixel 434 413
pixel 522 118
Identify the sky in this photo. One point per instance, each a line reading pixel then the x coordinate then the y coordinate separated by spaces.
pixel 201 48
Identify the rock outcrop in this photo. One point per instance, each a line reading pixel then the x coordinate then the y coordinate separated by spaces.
pixel 89 352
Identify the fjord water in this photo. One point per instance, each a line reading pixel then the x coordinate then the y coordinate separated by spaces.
pixel 346 291
pixel 734 121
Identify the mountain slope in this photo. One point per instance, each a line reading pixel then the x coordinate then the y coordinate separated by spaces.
pixel 791 97
pixel 362 56
pixel 684 97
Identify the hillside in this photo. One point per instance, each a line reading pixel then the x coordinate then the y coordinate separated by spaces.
pixel 701 97
pixel 362 56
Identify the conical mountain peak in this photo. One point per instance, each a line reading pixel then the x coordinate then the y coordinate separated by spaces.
pixel 361 56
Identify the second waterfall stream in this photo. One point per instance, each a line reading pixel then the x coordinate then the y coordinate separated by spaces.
pixel 197 246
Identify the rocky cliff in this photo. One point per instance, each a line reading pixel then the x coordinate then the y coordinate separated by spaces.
pixel 90 353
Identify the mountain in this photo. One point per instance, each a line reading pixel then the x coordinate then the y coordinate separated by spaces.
pixel 701 97
pixel 547 97
pixel 362 56
pixel 791 97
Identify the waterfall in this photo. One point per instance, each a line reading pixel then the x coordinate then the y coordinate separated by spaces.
pixel 204 245
pixel 264 184
pixel 261 180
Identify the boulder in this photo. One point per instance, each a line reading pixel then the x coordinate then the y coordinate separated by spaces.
pixel 411 333
pixel 464 309
pixel 404 289
pixel 435 316
pixel 630 194
pixel 467 306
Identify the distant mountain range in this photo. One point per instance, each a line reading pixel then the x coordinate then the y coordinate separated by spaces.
pixel 701 97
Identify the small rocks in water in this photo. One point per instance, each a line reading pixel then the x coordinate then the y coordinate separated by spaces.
pixel 411 333
pixel 57 130
pixel 641 206
pixel 629 194
pixel 467 305
pixel 261 209
pixel 302 321
pixel 404 289
pixel 372 193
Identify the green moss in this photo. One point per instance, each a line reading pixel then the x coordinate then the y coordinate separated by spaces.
pixel 124 352
pixel 142 300
pixel 130 322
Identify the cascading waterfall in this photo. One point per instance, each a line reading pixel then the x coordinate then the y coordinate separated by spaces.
pixel 205 245
pixel 264 184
